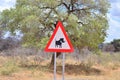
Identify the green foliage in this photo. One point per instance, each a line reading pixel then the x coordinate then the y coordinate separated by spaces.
pixel 85 20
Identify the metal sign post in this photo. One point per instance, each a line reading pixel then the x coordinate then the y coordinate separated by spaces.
pixel 55 66
pixel 59 42
pixel 63 67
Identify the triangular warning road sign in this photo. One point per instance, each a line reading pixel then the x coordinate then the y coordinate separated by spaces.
pixel 59 41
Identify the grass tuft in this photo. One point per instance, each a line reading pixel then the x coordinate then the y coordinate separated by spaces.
pixel 8 68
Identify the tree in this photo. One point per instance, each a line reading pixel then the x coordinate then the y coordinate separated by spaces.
pixel 116 44
pixel 85 20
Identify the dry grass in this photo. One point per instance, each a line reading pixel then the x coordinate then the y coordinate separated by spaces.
pixel 102 67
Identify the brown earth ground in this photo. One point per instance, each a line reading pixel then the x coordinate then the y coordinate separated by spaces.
pixel 73 71
pixel 41 71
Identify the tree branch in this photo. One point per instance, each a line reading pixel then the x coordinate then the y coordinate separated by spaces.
pixel 67 7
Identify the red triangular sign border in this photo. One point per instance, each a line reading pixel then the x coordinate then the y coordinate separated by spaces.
pixel 59 24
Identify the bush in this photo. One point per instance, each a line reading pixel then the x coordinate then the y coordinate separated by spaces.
pixel 8 68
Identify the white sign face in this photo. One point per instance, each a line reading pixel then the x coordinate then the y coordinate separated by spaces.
pixel 59 41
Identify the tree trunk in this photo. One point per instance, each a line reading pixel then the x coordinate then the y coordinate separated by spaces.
pixel 52 60
pixel 57 53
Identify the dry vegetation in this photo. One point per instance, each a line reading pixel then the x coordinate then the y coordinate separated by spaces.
pixel 19 66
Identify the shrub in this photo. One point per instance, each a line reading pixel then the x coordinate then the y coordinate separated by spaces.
pixel 8 68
